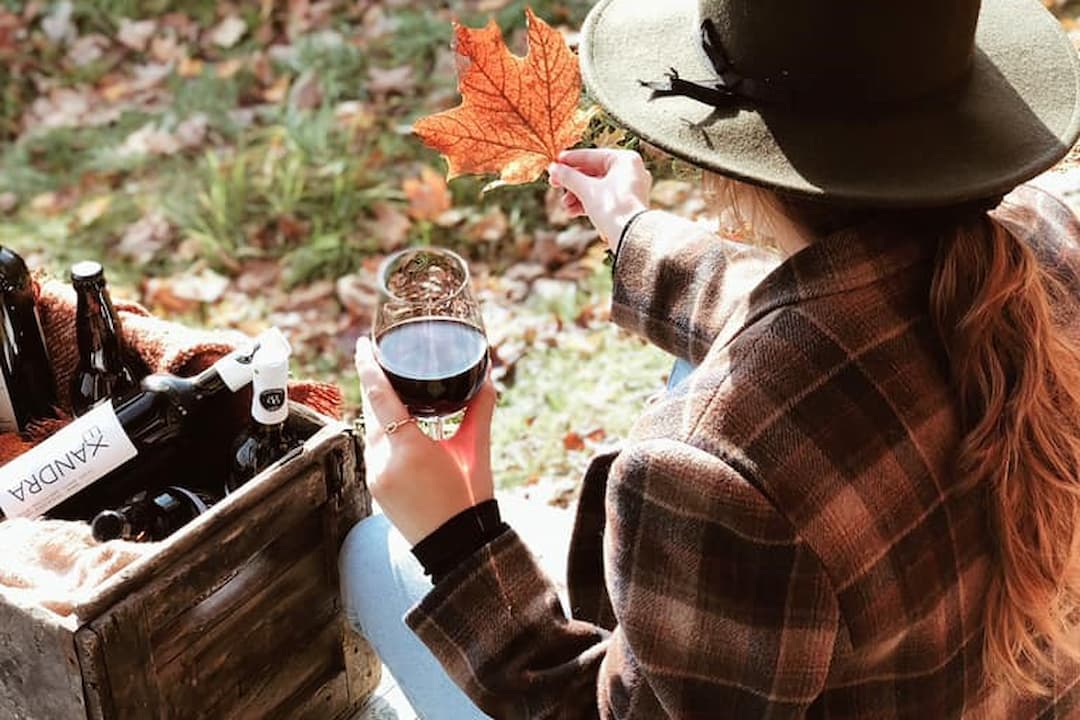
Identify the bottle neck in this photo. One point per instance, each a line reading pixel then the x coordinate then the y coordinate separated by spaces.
pixel 97 330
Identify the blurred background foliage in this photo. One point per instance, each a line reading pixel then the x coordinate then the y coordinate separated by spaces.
pixel 239 164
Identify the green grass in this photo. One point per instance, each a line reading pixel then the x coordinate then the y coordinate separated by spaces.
pixel 301 185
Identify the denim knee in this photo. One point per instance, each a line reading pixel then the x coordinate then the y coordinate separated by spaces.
pixel 361 561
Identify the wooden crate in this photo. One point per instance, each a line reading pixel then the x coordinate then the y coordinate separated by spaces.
pixel 238 615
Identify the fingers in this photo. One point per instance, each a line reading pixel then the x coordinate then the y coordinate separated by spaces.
pixel 572 204
pixel 573 181
pixel 381 404
pixel 590 161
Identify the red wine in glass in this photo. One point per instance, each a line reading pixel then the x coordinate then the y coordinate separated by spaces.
pixel 429 332
pixel 435 364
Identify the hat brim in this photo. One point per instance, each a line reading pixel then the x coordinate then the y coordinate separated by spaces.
pixel 1016 116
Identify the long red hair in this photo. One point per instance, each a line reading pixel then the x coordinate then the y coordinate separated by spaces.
pixel 1015 371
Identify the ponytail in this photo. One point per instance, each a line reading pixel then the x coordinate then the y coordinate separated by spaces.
pixel 1016 374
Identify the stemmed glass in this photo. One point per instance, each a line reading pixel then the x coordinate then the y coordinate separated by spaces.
pixel 428 332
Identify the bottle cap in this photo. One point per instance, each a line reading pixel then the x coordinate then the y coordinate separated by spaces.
pixel 270 381
pixel 236 367
pixel 87 272
pixel 108 525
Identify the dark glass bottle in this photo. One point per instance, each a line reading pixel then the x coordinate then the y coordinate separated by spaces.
pixel 266 439
pixel 27 386
pixel 103 371
pixel 151 516
pixel 117 450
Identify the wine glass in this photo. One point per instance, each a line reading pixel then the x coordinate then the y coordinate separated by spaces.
pixel 428 333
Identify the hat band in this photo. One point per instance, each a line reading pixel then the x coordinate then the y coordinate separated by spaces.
pixel 730 89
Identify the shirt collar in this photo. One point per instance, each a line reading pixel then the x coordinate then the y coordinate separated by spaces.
pixel 841 262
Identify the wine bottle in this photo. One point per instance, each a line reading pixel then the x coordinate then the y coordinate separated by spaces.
pixel 266 439
pixel 151 516
pixel 27 387
pixel 103 372
pixel 106 456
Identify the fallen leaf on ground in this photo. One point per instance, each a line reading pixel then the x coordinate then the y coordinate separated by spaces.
pixel 306 93
pixel 489 227
pixel 145 238
pixel 87 49
pixel 93 209
pixel 136 34
pixel 57 25
pixel 573 442
pixel 228 32
pixel 391 226
pixel 358 294
pixel 184 293
pixel 517 114
pixel 428 195
pixel 384 81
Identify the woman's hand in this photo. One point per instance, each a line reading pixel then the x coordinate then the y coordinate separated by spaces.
pixel 419 482
pixel 610 186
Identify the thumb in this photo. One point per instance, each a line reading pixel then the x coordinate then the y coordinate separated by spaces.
pixel 573 180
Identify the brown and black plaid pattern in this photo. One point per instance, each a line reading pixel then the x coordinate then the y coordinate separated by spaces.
pixel 783 535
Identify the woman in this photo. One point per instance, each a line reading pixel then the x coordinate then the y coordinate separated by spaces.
pixel 864 501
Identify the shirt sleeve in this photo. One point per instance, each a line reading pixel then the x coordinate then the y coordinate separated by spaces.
pixel 723 610
pixel 681 286
pixel 458 538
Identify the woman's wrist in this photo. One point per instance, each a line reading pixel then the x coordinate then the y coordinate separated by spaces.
pixel 613 251
pixel 621 225
pixel 459 538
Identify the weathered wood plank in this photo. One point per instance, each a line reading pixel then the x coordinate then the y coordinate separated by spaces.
pixel 210 617
pixel 95 679
pixel 247 503
pixel 363 667
pixel 303 676
pixel 133 679
pixel 330 701
pixel 264 664
pixel 39 670
pixel 281 597
pixel 220 556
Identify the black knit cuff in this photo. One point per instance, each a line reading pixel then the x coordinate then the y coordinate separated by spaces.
pixel 613 257
pixel 458 538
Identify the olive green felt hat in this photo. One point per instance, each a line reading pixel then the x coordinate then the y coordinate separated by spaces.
pixel 910 103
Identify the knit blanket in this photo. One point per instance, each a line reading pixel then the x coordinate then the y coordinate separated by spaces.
pixel 54 563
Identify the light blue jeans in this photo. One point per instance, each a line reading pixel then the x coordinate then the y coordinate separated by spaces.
pixel 381 580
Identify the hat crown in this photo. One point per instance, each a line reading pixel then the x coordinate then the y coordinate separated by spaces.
pixel 848 51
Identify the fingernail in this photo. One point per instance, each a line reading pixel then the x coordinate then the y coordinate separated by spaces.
pixel 553 168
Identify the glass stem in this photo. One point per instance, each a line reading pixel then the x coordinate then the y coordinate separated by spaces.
pixel 438 430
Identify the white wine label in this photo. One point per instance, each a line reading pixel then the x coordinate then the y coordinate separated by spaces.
pixel 78 455
pixel 8 422
pixel 270 394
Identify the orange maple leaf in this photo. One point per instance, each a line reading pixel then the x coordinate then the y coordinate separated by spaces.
pixel 517 113
pixel 428 195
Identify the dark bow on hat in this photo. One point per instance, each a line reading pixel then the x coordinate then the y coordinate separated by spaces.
pixel 729 89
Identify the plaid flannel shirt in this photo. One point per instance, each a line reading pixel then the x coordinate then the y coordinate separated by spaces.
pixel 780 537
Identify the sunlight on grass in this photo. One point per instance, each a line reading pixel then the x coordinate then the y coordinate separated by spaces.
pixel 593 384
